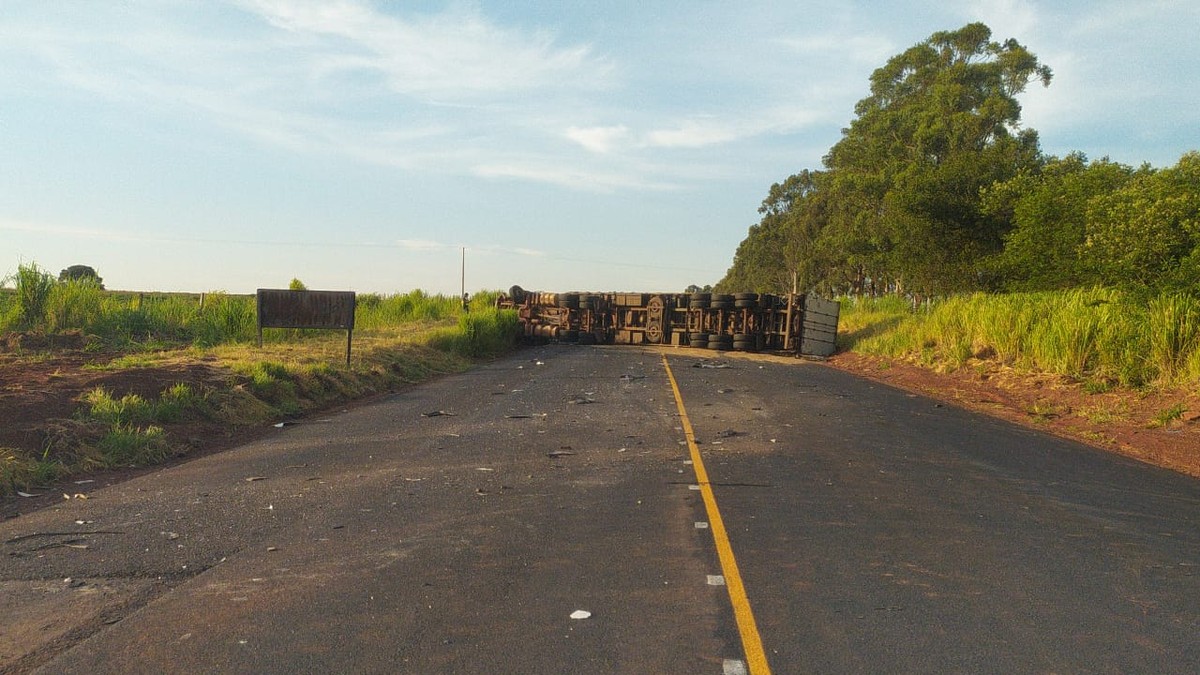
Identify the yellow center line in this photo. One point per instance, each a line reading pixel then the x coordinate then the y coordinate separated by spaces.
pixel 756 658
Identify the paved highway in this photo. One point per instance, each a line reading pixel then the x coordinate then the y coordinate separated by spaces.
pixel 769 515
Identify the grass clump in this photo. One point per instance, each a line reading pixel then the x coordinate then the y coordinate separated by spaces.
pixel 131 433
pixel 175 402
pixel 128 445
pixel 129 409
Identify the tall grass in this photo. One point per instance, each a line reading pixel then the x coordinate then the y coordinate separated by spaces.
pixel 480 333
pixel 33 288
pixel 133 321
pixel 376 311
pixel 225 318
pixel 76 303
pixel 1096 334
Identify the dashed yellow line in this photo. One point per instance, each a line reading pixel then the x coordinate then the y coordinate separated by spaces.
pixel 756 658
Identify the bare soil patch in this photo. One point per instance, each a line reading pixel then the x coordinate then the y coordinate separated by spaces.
pixel 1160 426
pixel 40 397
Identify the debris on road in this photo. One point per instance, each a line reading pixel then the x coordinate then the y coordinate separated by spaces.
pixel 711 364
pixel 581 614
pixel 438 413
pixel 252 479
pixel 581 399
pixel 564 452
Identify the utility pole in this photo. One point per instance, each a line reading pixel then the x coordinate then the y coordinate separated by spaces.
pixel 464 279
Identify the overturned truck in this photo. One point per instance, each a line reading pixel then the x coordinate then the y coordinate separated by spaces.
pixel 804 324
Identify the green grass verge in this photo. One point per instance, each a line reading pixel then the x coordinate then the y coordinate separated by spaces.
pixel 283 379
pixel 1100 337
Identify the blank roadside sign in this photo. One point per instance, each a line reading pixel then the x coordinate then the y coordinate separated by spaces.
pixel 283 308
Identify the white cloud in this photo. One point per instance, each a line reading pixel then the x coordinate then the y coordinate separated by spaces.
pixel 422 245
pixel 436 92
pixel 571 176
pixel 694 133
pixel 454 55
pixel 509 250
pixel 64 231
pixel 597 139
pixel 709 130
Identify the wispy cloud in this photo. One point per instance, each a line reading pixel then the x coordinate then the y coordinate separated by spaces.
pixel 566 175
pixel 65 231
pixel 711 130
pixel 425 245
pixel 598 139
pixel 422 245
pixel 339 79
pixel 453 55
pixel 113 235
pixel 452 92
pixel 692 133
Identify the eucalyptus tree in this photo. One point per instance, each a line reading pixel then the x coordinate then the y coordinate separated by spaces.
pixel 941 123
pixel 781 251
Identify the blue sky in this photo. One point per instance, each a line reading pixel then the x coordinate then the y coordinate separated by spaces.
pixel 199 146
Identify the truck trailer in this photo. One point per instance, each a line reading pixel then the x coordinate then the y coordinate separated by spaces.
pixel 752 322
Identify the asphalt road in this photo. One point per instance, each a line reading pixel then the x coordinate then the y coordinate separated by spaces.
pixel 457 526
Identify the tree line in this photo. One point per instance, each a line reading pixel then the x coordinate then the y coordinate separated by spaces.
pixel 936 188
